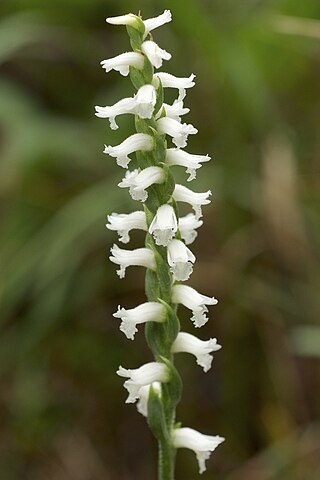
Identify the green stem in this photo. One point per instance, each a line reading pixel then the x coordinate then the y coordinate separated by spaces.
pixel 166 462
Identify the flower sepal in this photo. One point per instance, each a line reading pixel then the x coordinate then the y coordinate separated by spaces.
pixel 160 98
pixel 136 32
pixel 156 417
pixel 172 390
pixel 143 76
pixel 164 280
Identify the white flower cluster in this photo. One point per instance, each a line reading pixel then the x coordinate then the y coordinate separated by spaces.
pixel 167 229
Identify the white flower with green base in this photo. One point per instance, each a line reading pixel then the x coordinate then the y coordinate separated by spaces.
pixel 157 386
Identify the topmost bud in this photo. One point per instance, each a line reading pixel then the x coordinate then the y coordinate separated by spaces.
pixel 144 27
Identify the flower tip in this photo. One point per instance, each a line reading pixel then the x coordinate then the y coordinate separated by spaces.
pixel 122 372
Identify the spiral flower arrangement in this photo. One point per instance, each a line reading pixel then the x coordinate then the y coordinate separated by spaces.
pixel 157 386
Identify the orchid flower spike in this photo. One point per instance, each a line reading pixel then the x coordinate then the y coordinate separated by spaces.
pixel 146 312
pixel 138 183
pixel 191 162
pixel 187 227
pixel 156 386
pixel 202 445
pixel 201 349
pixel 142 104
pixel 134 143
pixel 197 303
pixel 196 200
pixel 122 62
pixel 164 225
pixel 180 259
pixel 170 81
pixel 143 257
pixel 140 377
pixel 123 223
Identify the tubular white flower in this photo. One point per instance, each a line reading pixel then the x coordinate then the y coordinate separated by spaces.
pixel 178 131
pixel 152 23
pixel 201 349
pixel 164 225
pixel 175 111
pixel 180 259
pixel 122 62
pixel 195 301
pixel 170 81
pixel 129 19
pixel 139 182
pixel 196 200
pixel 142 404
pixel 143 257
pixel 123 223
pixel 146 99
pixel 202 445
pixel 142 104
pixel 187 226
pixel 191 162
pixel 137 141
pixel 126 105
pixel 146 312
pixel 140 377
pixel 154 53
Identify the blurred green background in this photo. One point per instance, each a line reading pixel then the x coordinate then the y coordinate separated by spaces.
pixel 256 105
